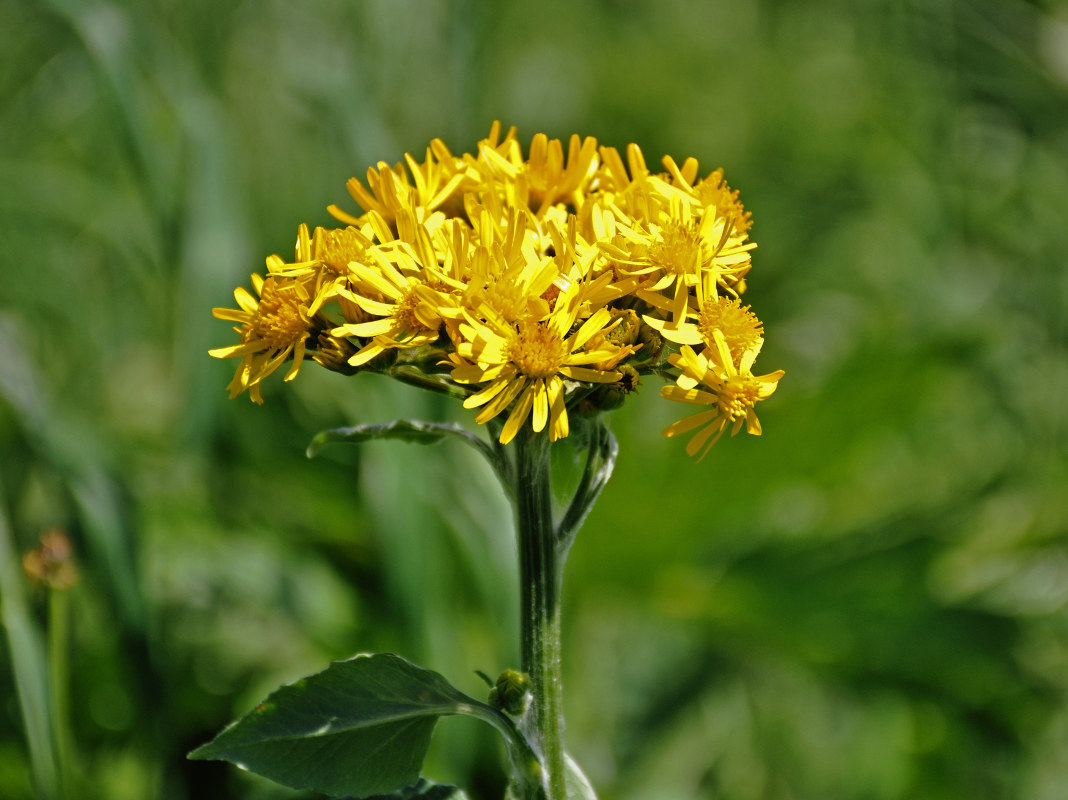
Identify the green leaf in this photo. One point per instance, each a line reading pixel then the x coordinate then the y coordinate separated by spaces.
pixel 417 432
pixel 406 430
pixel 361 727
pixel 424 790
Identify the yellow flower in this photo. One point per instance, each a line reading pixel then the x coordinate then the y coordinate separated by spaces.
pixel 732 392
pixel 438 182
pixel 544 178
pixel 407 314
pixel 678 245
pixel 274 327
pixel 740 327
pixel 527 362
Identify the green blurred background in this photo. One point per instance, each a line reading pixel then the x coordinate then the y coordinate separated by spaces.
pixel 869 602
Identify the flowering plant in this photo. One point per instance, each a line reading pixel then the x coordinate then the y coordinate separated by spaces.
pixel 540 291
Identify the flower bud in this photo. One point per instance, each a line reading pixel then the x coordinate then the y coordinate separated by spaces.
pixel 512 692
pixel 51 563
pixel 611 396
pixel 334 354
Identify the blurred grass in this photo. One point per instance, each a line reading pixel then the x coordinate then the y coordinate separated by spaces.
pixel 868 602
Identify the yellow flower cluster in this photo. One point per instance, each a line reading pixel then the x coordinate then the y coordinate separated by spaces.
pixel 530 287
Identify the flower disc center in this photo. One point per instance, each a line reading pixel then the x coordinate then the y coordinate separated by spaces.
pixel 280 319
pixel 679 249
pixel 740 327
pixel 537 351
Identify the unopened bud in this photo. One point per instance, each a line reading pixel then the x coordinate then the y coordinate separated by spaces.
pixel 610 396
pixel 51 563
pixel 334 354
pixel 512 692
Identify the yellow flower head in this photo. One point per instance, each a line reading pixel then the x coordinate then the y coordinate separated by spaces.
pixel 544 178
pixel 530 284
pixel 740 327
pixel 403 301
pixel 679 246
pixel 732 392
pixel 274 327
pixel 524 364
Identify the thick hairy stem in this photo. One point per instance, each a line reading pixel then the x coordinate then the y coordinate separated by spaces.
pixel 540 571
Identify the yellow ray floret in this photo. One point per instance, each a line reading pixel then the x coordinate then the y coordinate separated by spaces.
pixel 524 364
pixel 740 327
pixel 274 326
pixel 730 391
pixel 404 304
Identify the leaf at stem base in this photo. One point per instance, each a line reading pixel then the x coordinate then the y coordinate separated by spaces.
pixel 361 728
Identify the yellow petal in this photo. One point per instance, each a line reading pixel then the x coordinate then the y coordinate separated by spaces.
pixel 689 423
pixel 366 354
pixel 485 395
pixel 752 424
pixel 590 327
pixel 590 375
pixel 695 396
pixel 712 432
pixel 372 328
pixel 541 406
pixel 558 423
pixel 501 401
pixel 255 346
pixel 519 415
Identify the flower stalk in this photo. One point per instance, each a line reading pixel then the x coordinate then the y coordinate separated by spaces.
pixel 541 565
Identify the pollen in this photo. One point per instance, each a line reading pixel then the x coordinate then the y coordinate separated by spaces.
pixel 737 395
pixel 740 327
pixel 537 351
pixel 281 317
pixel 335 248
pixel 407 312
pixel 679 249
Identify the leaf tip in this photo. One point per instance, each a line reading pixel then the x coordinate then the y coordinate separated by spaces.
pixel 315 445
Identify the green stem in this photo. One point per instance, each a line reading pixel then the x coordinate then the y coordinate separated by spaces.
pixel 600 461
pixel 28 665
pixel 540 571
pixel 59 662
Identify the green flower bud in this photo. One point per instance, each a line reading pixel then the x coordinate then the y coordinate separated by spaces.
pixel 611 395
pixel 626 332
pixel 334 354
pixel 512 692
pixel 650 340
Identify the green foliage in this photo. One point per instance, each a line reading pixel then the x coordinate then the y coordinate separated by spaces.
pixel 424 790
pixel 361 727
pixel 402 429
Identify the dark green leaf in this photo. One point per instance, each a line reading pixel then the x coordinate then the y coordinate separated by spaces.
pixel 424 790
pixel 361 727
